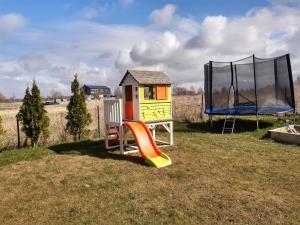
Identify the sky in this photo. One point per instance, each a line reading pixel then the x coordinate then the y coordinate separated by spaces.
pixel 50 41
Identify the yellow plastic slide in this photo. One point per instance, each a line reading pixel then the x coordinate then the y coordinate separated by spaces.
pixel 147 146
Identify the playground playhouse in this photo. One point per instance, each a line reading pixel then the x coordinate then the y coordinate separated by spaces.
pixel 146 105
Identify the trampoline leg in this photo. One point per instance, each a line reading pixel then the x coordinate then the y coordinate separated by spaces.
pixel 294 117
pixel 211 121
pixel 257 122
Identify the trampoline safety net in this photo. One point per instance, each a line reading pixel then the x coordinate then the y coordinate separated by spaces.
pixel 251 86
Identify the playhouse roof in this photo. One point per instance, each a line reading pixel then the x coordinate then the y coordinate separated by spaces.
pixel 147 77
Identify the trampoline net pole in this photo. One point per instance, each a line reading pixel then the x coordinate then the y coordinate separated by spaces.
pixel 210 85
pixel 291 80
pixel 276 81
pixel 255 89
pixel 254 86
pixel 237 102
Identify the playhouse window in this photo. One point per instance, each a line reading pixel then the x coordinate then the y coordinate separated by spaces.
pixel 149 92
pixel 161 92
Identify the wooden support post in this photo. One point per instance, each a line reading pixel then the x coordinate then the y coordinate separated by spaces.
pixel 125 136
pixel 201 112
pixel 106 130
pixel 153 132
pixel 171 133
pixel 121 139
pixel 18 131
pixel 98 121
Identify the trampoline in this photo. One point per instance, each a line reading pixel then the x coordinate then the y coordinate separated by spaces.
pixel 250 86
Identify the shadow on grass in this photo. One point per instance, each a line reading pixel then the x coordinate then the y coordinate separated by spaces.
pixel 94 148
pixel 241 126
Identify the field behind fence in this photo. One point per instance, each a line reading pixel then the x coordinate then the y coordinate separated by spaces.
pixel 57 114
pixel 185 108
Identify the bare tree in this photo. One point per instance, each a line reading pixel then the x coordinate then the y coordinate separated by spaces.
pixel 192 90
pixel 55 94
pixel 200 91
pixel 2 97
pixel 177 91
pixel 13 98
pixel 118 92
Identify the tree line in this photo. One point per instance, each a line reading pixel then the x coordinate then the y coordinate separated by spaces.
pixel 176 91
pixel 55 94
pixel 35 121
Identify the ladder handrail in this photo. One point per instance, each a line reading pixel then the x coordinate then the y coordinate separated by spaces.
pixel 113 114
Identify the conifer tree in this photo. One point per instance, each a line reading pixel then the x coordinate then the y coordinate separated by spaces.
pixel 33 115
pixel 78 116
pixel 24 115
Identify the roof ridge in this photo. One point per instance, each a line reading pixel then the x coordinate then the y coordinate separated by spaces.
pixel 148 76
pixel 146 70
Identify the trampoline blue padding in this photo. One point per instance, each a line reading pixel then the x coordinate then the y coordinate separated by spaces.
pixel 249 110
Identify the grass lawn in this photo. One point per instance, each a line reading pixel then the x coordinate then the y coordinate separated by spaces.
pixel 242 178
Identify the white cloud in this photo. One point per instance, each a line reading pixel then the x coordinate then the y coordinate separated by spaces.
pixel 124 60
pixel 10 23
pixel 163 17
pixel 63 49
pixel 157 51
pixel 92 12
pixel 187 26
pixel 285 2
pixel 126 3
pixel 100 54
pixel 34 62
pixel 266 32
pixel 211 32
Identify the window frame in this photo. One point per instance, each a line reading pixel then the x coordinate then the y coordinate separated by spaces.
pixel 159 88
pixel 151 93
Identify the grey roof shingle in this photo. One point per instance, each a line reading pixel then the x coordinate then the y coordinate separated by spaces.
pixel 148 77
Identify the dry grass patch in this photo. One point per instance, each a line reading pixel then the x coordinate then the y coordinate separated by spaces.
pixel 214 179
pixel 185 108
pixel 57 115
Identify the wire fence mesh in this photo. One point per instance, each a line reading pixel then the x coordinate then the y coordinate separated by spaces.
pixel 185 108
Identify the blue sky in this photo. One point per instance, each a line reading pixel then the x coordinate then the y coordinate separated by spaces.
pixel 116 12
pixel 99 40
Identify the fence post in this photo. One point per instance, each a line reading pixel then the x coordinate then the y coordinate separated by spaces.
pixel 18 130
pixel 98 121
pixel 201 113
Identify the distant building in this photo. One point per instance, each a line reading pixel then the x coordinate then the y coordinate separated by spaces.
pixel 94 91
pixel 56 101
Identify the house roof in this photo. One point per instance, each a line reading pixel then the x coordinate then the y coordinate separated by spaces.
pixel 147 77
pixel 95 86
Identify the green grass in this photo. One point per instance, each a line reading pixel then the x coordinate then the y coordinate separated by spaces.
pixel 14 156
pixel 244 178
